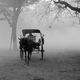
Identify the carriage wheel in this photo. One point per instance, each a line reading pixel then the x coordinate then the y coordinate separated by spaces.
pixel 42 52
pixel 41 55
pixel 21 54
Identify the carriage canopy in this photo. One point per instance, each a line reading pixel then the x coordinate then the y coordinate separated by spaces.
pixel 27 31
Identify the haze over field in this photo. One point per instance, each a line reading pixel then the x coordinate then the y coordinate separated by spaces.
pixel 5 34
pixel 58 35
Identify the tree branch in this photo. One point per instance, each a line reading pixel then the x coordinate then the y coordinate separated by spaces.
pixel 68 5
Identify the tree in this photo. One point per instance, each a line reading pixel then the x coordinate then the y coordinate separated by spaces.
pixel 59 7
pixel 72 6
pixel 11 10
pixel 67 5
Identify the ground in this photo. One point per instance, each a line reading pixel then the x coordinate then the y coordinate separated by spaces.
pixel 63 65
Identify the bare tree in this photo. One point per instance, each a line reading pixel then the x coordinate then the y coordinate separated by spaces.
pixel 11 10
pixel 67 5
pixel 56 9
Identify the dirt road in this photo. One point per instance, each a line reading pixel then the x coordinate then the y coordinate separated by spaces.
pixel 53 67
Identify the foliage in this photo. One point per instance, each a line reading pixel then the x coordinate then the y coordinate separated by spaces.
pixel 46 8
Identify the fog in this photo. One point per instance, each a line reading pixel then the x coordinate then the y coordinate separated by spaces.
pixel 63 39
pixel 61 45
pixel 5 34
pixel 60 36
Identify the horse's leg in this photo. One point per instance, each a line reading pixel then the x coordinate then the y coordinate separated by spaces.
pixel 28 57
pixel 21 54
pixel 25 56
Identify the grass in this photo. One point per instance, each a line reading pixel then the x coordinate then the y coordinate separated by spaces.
pixel 61 66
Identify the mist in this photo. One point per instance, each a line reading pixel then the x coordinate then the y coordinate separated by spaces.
pixel 63 39
pixel 60 37
pixel 5 34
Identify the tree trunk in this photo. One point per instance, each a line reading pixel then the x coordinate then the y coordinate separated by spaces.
pixel 14 26
pixel 14 40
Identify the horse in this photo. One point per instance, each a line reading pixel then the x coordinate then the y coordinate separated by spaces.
pixel 27 45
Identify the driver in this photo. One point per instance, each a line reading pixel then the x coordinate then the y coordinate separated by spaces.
pixel 31 37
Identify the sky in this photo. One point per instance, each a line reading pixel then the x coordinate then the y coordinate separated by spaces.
pixel 60 36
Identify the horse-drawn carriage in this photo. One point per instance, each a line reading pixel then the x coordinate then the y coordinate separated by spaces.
pixel 30 43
